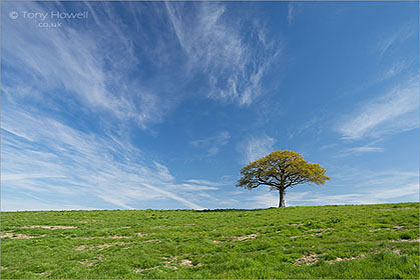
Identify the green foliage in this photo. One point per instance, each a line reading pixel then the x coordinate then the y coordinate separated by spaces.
pixel 341 242
pixel 280 170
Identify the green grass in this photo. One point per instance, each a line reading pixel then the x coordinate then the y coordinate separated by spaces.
pixel 340 242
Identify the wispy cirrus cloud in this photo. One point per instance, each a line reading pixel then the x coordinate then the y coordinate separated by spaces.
pixel 204 182
pixel 97 73
pixel 395 69
pixel 369 148
pixel 91 70
pixel 293 9
pixel 71 93
pixel 232 61
pixel 395 111
pixel 365 149
pixel 41 155
pixel 397 37
pixel 257 147
pixel 197 187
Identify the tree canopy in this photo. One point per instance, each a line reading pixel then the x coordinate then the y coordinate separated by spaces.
pixel 280 170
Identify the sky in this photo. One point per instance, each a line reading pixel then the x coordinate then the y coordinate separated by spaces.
pixel 158 105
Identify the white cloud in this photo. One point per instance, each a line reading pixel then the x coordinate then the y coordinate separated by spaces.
pixel 88 69
pixel 97 69
pixel 293 9
pixel 365 149
pixel 394 112
pixel 69 70
pixel 204 182
pixel 163 172
pixel 22 177
pixel 57 162
pixel 264 200
pixel 195 187
pixel 369 186
pixel 257 147
pixel 116 201
pixel 360 150
pixel 234 63
pixel 395 69
pixel 398 37
pixel 172 195
pixel 401 191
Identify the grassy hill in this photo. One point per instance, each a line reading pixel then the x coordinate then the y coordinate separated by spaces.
pixel 364 241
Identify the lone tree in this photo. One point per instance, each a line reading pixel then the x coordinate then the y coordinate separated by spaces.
pixel 280 170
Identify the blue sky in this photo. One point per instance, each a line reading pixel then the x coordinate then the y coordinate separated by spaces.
pixel 159 105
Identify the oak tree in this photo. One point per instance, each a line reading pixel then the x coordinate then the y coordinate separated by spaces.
pixel 280 170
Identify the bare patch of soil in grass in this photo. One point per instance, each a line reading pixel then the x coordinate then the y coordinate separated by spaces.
pixel 398 228
pixel 107 245
pixel 217 241
pixel 118 237
pixel 244 237
pixel 307 260
pixel 405 240
pixel 172 262
pixel 395 228
pixel 152 240
pixel 169 262
pixel 84 247
pixel 187 262
pixel 18 235
pixel 189 225
pixel 318 229
pixel 397 252
pixel 52 227
pixel 347 259
pixel 87 263
pixel 42 273
pixel 91 262
pixel 376 229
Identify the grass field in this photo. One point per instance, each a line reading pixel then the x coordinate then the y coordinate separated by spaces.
pixel 364 241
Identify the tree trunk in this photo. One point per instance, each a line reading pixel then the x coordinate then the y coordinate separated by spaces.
pixel 281 200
